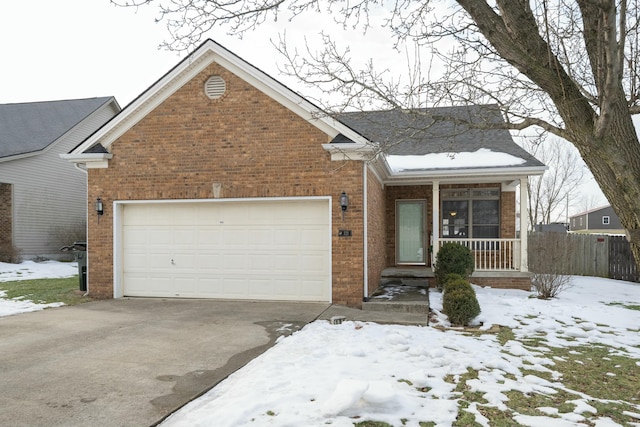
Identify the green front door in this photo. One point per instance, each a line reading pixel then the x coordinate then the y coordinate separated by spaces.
pixel 410 232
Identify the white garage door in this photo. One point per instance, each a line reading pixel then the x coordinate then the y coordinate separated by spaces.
pixel 268 250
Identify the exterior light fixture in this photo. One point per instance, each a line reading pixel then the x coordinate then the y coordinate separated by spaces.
pixel 99 208
pixel 344 203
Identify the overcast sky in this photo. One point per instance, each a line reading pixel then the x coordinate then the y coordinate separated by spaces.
pixel 67 49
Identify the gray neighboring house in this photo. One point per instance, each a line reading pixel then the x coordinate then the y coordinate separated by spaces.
pixel 43 198
pixel 595 221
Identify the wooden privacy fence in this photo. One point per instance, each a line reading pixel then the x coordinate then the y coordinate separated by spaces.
pixel 583 255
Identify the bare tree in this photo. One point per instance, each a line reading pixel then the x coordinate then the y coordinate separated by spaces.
pixel 569 67
pixel 590 201
pixel 551 194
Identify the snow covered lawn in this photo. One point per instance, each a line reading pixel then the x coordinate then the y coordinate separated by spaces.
pixel 340 375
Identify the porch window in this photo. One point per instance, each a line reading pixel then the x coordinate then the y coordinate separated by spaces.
pixel 471 213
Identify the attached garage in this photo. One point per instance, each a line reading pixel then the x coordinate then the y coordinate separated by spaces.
pixel 258 249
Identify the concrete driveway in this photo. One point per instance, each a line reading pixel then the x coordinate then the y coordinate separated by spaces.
pixel 130 362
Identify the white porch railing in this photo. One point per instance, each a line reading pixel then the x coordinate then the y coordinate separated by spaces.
pixel 492 254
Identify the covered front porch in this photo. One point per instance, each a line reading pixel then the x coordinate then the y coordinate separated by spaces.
pixel 479 215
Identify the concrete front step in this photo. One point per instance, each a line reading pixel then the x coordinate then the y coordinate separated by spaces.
pixel 397 307
pixel 399 297
pixel 406 272
pixel 405 281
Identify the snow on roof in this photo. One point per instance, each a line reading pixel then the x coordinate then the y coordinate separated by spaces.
pixel 482 158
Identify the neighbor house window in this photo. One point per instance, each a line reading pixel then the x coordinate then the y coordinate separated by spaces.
pixel 605 220
pixel 471 213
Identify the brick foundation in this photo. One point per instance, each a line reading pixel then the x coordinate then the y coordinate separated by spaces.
pixel 523 283
pixel 6 214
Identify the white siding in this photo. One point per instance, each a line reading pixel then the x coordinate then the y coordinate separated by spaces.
pixel 50 193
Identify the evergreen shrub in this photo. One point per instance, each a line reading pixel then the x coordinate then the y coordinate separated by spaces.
pixel 453 258
pixel 459 303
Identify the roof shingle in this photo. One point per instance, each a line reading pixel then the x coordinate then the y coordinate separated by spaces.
pixel 436 130
pixel 33 126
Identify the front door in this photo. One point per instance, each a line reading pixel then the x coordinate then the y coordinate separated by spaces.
pixel 410 232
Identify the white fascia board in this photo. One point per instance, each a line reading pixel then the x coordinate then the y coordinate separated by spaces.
pixel 90 160
pixel 463 176
pixel 453 174
pixel 190 67
pixel 499 171
pixel 349 151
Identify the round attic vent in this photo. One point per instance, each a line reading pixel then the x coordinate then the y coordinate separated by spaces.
pixel 215 87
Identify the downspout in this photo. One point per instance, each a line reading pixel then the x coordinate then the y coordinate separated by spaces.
pixel 435 221
pixel 86 223
pixel 365 232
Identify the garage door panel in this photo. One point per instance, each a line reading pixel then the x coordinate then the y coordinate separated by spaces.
pixel 160 236
pixel 235 262
pixel 234 237
pixel 314 264
pixel 286 264
pixel 208 236
pixel 274 250
pixel 146 285
pixel 307 289
pixel 136 236
pixel 185 237
pixel 312 237
pixel 235 287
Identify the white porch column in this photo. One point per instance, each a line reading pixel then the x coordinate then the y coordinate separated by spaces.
pixel 435 220
pixel 524 224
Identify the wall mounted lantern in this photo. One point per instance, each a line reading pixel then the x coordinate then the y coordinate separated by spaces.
pixel 99 208
pixel 344 203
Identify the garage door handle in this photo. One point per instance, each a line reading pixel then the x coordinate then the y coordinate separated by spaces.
pixel 172 263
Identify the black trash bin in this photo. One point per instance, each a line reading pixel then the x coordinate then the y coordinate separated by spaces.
pixel 80 256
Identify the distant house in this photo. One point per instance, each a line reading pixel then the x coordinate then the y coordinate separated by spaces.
pixel 43 199
pixel 598 220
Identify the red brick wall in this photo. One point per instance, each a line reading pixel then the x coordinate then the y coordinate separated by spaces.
pixel 6 214
pixel 508 215
pixel 245 141
pixel 376 230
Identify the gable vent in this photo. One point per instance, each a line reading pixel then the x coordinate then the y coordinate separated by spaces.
pixel 215 87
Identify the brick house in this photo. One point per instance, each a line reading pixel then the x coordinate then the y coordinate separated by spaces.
pixel 220 182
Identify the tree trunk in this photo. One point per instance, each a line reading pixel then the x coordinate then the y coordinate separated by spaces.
pixel 614 160
pixel 605 137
